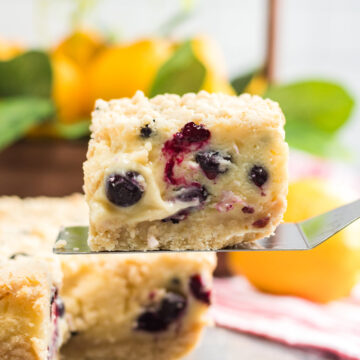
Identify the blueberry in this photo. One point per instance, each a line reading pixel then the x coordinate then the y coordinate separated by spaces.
pixel 160 317
pixel 191 133
pixel 195 133
pixel 213 163
pixel 179 216
pixel 198 290
pixel 57 301
pixel 261 223
pixel 169 172
pixel 175 281
pixel 248 210
pixel 258 175
pixel 60 307
pixel 188 194
pixel 192 193
pixel 15 255
pixel 189 137
pixel 125 189
pixel 145 131
pixel 54 294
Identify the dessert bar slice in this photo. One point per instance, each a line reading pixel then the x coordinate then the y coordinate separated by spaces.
pixel 32 322
pixel 201 171
pixel 30 226
pixel 118 307
pixel 129 307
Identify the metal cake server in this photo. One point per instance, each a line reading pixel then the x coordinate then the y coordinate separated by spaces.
pixel 304 235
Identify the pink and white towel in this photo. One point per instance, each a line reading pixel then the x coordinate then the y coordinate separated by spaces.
pixel 332 328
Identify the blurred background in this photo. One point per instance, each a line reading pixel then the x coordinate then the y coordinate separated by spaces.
pixel 314 39
pixel 58 56
pixel 302 54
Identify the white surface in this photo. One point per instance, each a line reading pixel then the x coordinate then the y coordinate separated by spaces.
pixel 223 344
pixel 317 39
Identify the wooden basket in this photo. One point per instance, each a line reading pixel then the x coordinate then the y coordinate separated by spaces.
pixel 42 167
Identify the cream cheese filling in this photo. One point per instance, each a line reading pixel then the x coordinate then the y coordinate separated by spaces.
pixel 151 206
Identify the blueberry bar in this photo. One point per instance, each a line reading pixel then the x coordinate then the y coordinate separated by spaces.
pixel 133 307
pixel 126 307
pixel 32 325
pixel 201 171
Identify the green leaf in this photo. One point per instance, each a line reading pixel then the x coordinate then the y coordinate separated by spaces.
pixel 307 138
pixel 242 81
pixel 19 114
pixel 181 74
pixel 314 111
pixel 74 131
pixel 325 105
pixel 27 74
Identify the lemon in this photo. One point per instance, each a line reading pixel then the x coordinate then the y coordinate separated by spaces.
pixel 9 49
pixel 209 53
pixel 214 84
pixel 323 274
pixel 257 85
pixel 70 60
pixel 121 70
pixel 80 46
pixel 69 89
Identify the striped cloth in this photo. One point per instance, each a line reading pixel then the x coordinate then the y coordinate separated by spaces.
pixel 333 328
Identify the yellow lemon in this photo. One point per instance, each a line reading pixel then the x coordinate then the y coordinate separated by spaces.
pixel 325 273
pixel 121 70
pixel 9 49
pixel 214 84
pixel 257 85
pixel 80 46
pixel 209 53
pixel 69 89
